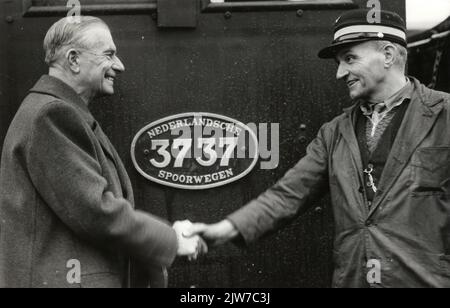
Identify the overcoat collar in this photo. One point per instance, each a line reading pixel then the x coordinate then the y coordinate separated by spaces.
pixel 53 86
pixel 49 85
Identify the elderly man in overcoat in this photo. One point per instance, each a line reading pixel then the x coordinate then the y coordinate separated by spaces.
pixel 67 216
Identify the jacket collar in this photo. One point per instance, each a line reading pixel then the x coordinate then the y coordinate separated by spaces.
pixel 53 86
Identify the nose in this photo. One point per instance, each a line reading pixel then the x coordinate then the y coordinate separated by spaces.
pixel 342 71
pixel 118 65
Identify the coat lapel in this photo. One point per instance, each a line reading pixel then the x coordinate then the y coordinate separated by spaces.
pixel 348 132
pixel 109 151
pixel 418 121
pixel 101 137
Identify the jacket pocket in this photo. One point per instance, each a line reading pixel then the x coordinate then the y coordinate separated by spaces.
pixel 430 170
pixel 418 269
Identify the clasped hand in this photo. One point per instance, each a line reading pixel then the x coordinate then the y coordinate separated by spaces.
pixel 190 243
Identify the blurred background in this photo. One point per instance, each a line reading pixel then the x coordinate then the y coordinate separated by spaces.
pixel 423 15
pixel 428 25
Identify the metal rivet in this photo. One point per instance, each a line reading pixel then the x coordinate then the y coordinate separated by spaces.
pixel 318 210
pixel 146 152
pixel 303 126
pixel 227 15
pixel 299 13
pixel 9 19
pixel 302 139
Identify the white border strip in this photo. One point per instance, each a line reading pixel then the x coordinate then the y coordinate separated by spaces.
pixel 368 28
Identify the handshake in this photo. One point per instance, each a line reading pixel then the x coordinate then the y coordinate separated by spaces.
pixel 194 238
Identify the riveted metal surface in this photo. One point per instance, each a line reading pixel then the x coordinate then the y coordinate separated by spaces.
pixel 175 13
pixel 258 66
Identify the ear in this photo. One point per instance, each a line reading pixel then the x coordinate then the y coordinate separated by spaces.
pixel 389 51
pixel 73 60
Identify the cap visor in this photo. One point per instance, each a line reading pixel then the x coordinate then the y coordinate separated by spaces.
pixel 331 51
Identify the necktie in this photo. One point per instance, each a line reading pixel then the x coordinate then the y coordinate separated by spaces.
pixel 377 116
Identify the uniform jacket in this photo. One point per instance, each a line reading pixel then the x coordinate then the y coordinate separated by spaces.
pixel 66 199
pixel 407 228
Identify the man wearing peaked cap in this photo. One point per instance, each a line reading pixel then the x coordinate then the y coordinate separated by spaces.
pixel 385 162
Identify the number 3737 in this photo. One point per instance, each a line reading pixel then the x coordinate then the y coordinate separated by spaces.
pixel 206 151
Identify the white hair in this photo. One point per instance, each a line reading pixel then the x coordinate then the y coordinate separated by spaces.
pixel 65 34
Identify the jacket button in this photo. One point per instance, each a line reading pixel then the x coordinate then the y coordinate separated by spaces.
pixel 369 223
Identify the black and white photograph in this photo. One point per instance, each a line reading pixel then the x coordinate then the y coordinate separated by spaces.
pixel 224 149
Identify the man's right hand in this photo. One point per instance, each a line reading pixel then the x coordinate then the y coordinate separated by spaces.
pixel 189 245
pixel 215 234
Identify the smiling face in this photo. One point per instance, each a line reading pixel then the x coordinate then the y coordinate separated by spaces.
pixel 99 65
pixel 362 67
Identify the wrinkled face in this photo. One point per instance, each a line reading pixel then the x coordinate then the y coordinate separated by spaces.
pixel 99 65
pixel 362 68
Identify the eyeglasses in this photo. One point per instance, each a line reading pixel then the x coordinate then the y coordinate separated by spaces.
pixel 110 57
